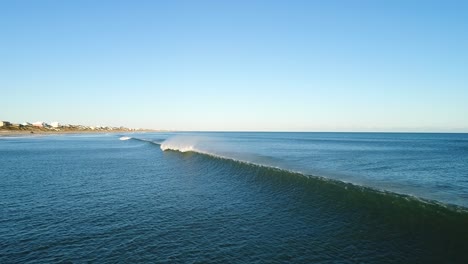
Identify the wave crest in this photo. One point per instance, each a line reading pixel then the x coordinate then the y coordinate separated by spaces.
pixel 181 144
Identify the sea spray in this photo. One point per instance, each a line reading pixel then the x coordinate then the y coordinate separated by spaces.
pixel 181 143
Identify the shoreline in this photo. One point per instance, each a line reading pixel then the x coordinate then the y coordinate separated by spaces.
pixel 24 133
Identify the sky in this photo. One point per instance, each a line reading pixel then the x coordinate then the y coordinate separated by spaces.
pixel 237 65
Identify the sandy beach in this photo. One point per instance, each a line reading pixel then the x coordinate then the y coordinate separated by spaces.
pixel 43 131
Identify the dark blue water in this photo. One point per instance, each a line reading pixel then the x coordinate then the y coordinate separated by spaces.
pixel 379 198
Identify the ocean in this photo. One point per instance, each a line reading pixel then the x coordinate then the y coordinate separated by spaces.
pixel 234 197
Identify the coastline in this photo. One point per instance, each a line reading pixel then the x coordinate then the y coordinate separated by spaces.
pixel 42 132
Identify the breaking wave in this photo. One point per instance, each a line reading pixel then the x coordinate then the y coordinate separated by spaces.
pixel 184 144
pixel 181 144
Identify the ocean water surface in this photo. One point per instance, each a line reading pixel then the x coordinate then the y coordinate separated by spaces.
pixel 235 198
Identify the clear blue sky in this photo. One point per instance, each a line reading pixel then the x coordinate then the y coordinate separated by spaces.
pixel 237 65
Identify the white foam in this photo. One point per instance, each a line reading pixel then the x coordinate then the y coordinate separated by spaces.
pixel 180 143
pixel 124 138
pixel 181 149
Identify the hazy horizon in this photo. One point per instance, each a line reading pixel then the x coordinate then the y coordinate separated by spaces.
pixel 318 130
pixel 337 66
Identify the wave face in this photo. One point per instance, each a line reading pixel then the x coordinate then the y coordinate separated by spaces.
pixel 428 166
pixel 187 143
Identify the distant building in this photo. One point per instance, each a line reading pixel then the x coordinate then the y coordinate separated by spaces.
pixel 55 124
pixel 26 124
pixel 39 124
pixel 4 123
